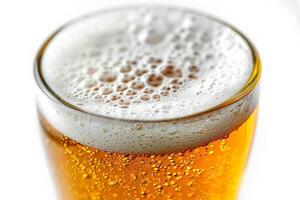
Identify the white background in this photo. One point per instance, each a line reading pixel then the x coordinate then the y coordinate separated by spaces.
pixel 274 27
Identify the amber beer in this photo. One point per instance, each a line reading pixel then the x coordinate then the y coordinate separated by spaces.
pixel 148 103
pixel 213 171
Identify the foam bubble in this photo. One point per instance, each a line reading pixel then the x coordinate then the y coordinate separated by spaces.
pixel 145 64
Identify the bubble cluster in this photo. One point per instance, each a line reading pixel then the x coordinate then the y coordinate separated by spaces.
pixel 128 64
pixel 141 72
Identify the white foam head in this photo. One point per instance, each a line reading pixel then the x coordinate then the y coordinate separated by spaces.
pixel 144 64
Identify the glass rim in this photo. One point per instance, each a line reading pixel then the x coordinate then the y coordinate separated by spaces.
pixel 249 86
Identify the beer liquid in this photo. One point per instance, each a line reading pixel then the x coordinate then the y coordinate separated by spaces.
pixel 211 172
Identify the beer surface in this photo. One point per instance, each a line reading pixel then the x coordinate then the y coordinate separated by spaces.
pixel 147 64
pixel 211 172
pixel 136 74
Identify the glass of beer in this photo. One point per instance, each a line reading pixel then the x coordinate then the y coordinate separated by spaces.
pixel 147 103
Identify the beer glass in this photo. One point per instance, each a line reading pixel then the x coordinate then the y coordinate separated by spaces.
pixel 147 103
